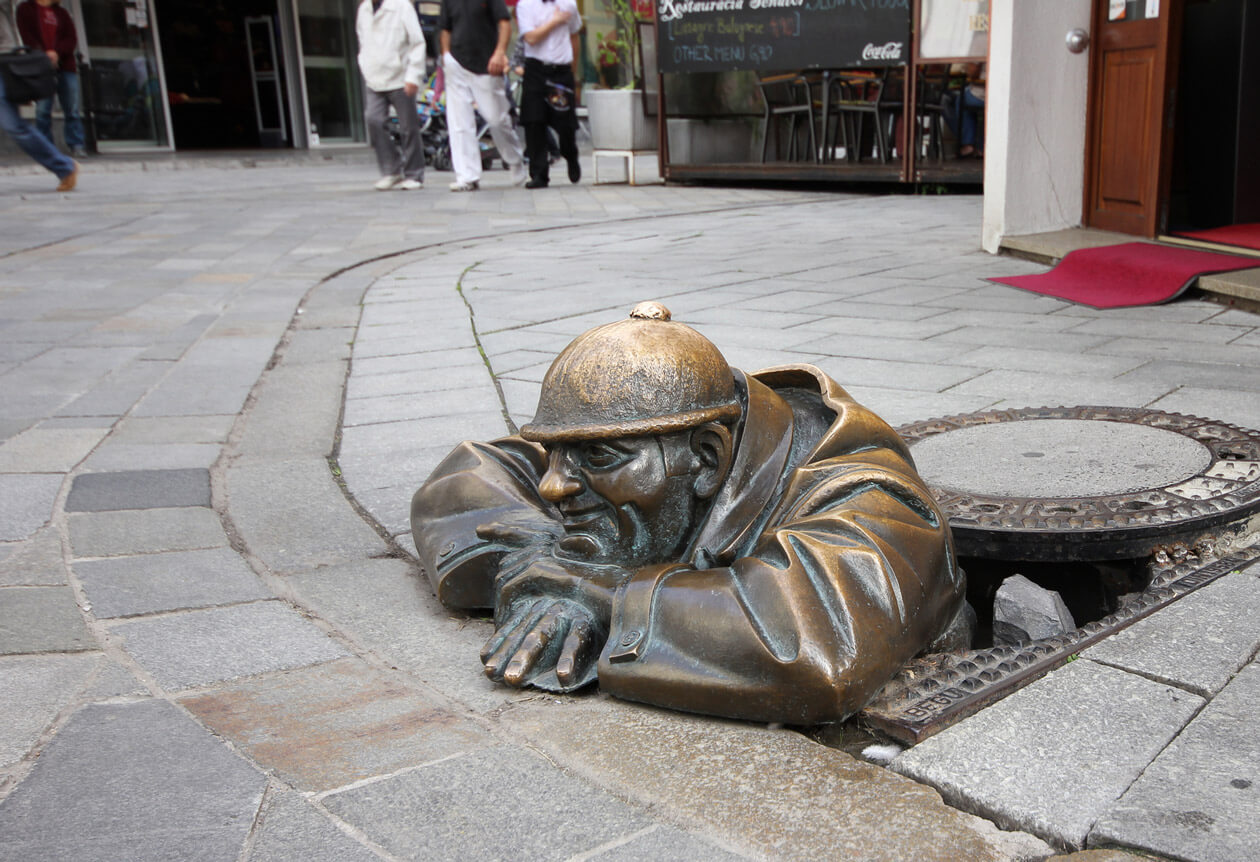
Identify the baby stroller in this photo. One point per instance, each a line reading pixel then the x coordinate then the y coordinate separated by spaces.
pixel 434 135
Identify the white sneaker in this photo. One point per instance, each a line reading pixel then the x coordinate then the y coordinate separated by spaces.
pixel 459 186
pixel 519 174
pixel 409 185
pixel 386 183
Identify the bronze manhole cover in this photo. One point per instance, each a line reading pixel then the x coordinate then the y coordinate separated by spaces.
pixel 1084 483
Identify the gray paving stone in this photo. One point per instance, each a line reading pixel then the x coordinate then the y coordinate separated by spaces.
pixel 1213 375
pixel 665 844
pixel 467 807
pixel 296 412
pixel 41 619
pixel 335 724
pixel 449 402
pixel 391 609
pixel 924 376
pixel 293 516
pixel 1197 643
pixel 113 457
pixel 1052 758
pixel 26 502
pixel 37 561
pixel 48 450
pixel 144 531
pixel 1035 389
pixel 770 790
pixel 134 781
pixel 1200 799
pixel 117 393
pixel 125 586
pixel 139 489
pixel 204 646
pixel 292 829
pixel 1237 408
pixel 1066 342
pixel 36 689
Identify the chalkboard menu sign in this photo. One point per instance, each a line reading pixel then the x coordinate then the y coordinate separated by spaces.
pixel 781 35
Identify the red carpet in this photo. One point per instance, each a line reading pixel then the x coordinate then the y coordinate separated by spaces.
pixel 1132 273
pixel 1245 235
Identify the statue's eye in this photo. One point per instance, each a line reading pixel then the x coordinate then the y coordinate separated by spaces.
pixel 601 456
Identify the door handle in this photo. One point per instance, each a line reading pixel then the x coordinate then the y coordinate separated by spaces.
pixel 1077 40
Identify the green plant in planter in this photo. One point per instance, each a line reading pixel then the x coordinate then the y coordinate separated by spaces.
pixel 617 51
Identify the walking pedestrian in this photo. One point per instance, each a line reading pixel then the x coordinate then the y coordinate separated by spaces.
pixel 392 60
pixel 549 30
pixel 29 138
pixel 474 36
pixel 45 25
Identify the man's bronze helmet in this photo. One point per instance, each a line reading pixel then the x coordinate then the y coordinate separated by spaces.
pixel 644 375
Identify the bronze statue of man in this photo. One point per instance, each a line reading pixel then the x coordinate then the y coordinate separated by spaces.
pixel 754 546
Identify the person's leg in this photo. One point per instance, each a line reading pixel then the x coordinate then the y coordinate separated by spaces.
pixel 43 117
pixel 536 146
pixel 567 133
pixel 493 104
pixel 68 95
pixel 461 123
pixel 973 111
pixel 376 116
pixel 409 127
pixel 32 142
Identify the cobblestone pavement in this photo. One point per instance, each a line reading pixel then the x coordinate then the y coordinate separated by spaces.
pixel 222 386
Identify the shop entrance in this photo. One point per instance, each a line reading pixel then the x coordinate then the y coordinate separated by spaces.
pixel 224 74
pixel 1215 172
pixel 1173 116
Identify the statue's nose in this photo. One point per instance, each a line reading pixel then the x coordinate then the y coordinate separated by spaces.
pixel 558 482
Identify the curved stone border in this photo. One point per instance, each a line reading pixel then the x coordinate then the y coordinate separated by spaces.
pixel 1104 527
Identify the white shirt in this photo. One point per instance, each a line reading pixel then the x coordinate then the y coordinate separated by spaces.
pixel 391 45
pixel 556 49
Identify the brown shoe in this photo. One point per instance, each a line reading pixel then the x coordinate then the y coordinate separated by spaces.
pixel 69 180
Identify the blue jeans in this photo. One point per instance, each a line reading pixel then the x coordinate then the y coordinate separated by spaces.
pixel 68 96
pixel 963 112
pixel 34 144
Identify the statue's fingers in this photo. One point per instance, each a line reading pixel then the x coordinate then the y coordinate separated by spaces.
pixel 548 628
pixel 509 643
pixel 575 653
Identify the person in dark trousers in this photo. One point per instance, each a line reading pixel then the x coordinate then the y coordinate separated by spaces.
pixel 29 138
pixel 549 30
pixel 45 25
pixel 392 58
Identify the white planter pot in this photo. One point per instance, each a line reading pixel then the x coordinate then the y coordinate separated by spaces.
pixel 617 120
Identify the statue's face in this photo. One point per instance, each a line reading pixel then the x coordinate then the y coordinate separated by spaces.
pixel 628 501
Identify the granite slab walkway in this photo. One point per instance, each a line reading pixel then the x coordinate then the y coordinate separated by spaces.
pixel 221 387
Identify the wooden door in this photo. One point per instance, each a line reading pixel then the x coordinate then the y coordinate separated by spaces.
pixel 1132 96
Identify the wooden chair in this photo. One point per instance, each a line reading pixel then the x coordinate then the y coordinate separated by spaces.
pixel 787 97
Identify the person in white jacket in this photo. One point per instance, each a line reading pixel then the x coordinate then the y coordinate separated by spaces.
pixel 391 58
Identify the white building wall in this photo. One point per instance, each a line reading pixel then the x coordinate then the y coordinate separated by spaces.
pixel 1034 172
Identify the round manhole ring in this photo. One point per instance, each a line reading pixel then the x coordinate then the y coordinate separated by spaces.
pixel 1187 476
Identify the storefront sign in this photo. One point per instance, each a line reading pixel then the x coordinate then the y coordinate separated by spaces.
pixel 781 35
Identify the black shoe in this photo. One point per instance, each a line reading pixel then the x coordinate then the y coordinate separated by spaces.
pixel 575 171
pixel 536 184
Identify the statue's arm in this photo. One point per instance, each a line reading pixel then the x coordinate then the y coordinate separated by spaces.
pixel 853 578
pixel 480 503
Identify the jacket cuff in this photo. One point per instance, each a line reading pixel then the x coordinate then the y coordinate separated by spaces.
pixel 632 612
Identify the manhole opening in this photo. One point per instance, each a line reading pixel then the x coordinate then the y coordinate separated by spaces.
pixel 1090 590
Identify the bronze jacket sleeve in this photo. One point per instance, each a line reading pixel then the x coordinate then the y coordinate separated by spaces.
pixel 478 483
pixel 853 576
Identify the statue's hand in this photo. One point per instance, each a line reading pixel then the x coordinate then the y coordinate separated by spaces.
pixel 553 615
pixel 545 635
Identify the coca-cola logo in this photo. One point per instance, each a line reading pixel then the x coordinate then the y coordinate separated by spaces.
pixel 886 51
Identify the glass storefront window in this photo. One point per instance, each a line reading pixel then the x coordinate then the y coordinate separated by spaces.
pixel 326 29
pixel 124 93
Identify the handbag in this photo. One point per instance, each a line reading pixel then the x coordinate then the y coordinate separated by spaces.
pixel 28 75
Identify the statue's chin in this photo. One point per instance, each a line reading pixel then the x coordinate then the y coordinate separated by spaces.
pixel 579 547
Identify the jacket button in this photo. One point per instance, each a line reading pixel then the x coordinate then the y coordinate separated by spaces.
pixel 631 638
